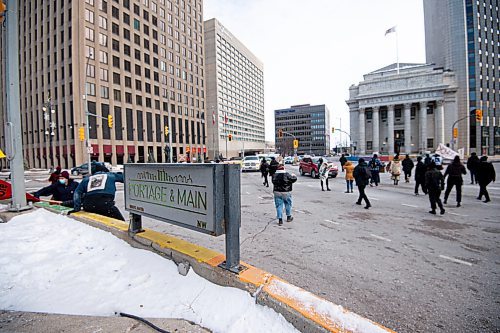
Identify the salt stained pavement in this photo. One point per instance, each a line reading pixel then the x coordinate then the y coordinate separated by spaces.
pixel 51 263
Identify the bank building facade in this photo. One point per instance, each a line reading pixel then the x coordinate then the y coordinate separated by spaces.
pixel 405 109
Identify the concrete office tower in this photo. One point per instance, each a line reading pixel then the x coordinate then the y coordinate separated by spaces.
pixel 145 64
pixel 235 94
pixel 310 124
pixel 463 36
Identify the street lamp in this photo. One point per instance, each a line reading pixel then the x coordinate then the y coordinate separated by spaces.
pixel 48 111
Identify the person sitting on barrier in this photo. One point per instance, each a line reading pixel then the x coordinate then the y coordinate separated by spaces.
pixel 62 190
pixel 99 190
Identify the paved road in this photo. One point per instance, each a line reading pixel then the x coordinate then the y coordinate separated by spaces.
pixel 395 263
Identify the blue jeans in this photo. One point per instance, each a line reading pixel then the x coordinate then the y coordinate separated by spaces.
pixel 349 184
pixel 281 198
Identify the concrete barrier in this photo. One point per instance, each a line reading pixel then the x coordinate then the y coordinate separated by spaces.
pixel 304 310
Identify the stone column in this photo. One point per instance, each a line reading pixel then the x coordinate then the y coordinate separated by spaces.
pixel 423 126
pixel 390 129
pixel 362 139
pixel 439 118
pixel 408 128
pixel 376 131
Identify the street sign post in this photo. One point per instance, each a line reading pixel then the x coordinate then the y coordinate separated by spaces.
pixel 201 197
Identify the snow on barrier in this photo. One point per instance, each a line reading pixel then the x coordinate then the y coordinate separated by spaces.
pixel 304 310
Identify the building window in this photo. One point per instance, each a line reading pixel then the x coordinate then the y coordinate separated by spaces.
pixel 116 78
pixel 90 89
pixel 137 25
pixel 104 92
pixel 430 109
pixel 397 113
pixel 103 40
pixel 89 34
pixel 116 62
pixel 90 70
pixel 117 95
pixel 103 74
pixel 103 57
pixel 369 115
pixel 103 23
pixel 89 16
pixel 369 145
pixel 430 143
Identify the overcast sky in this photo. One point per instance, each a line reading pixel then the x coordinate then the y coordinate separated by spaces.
pixel 314 50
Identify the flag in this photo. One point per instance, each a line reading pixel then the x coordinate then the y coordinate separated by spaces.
pixel 388 31
pixel 213 117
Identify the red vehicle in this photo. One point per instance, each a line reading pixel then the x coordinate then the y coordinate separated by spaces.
pixel 310 165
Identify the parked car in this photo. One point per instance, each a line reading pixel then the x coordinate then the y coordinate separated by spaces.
pixel 250 163
pixel 309 165
pixel 84 169
pixel 288 160
pixel 234 160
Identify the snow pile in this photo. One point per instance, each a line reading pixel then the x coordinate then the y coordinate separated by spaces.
pixel 51 263
pixel 331 312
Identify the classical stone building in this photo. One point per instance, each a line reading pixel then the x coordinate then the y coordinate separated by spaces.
pixel 407 112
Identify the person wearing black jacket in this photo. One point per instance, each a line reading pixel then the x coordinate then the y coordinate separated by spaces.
pixel 454 171
pixel 362 177
pixel 342 161
pixel 62 190
pixel 407 167
pixel 273 166
pixel 420 170
pixel 434 182
pixel 282 191
pixel 485 175
pixel 472 163
pixel 264 171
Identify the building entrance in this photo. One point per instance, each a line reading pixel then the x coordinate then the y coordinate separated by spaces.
pixel 399 140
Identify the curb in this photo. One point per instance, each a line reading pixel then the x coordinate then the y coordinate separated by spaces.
pixel 304 310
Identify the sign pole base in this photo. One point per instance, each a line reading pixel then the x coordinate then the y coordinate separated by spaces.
pixel 135 225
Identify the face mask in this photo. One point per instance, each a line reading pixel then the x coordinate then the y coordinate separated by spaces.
pixel 62 181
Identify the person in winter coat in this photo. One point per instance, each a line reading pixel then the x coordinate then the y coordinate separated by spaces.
pixel 324 174
pixel 427 160
pixel 62 190
pixel 273 166
pixel 420 171
pixel 485 175
pixel 472 163
pixel 434 182
pixel 264 170
pixel 375 166
pixel 342 161
pixel 282 191
pixel 407 167
pixel 349 178
pixel 454 171
pixel 362 176
pixel 394 167
pixel 54 176
pixel 99 190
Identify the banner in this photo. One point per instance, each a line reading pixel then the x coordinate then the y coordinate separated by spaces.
pixel 446 152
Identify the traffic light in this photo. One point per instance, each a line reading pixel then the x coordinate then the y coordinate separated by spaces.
pixel 110 121
pixel 455 133
pixel 230 137
pixel 165 130
pixel 81 133
pixel 479 115
pixel 333 130
pixel 280 133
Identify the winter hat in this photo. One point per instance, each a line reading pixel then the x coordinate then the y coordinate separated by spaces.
pixel 58 168
pixel 64 174
pixel 281 167
pixel 361 160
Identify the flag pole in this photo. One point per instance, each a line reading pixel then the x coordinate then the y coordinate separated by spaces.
pixel 397 52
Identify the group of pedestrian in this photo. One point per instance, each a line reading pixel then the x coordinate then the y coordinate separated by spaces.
pixel 268 169
pixel 95 193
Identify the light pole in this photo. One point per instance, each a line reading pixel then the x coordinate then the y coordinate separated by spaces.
pixel 90 55
pixel 48 111
pixel 225 124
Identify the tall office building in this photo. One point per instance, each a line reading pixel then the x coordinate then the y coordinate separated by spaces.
pixel 463 36
pixel 309 124
pixel 141 62
pixel 235 94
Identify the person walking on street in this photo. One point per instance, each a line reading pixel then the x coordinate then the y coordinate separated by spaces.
pixel 342 161
pixel 324 174
pixel 264 171
pixel 362 176
pixel 375 166
pixel 273 166
pixel 96 193
pixel 394 168
pixel 54 176
pixel 427 160
pixel 472 163
pixel 63 190
pixel 454 171
pixel 485 175
pixel 420 171
pixel 434 182
pixel 349 178
pixel 282 191
pixel 407 167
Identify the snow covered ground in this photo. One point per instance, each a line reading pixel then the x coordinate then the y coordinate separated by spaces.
pixel 51 263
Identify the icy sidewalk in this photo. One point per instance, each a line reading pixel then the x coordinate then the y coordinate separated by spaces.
pixel 51 263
